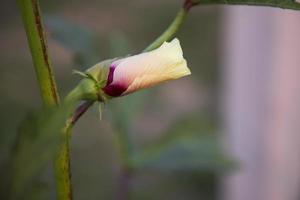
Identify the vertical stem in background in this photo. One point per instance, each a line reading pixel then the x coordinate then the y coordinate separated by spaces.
pixel 126 152
pixel 37 42
pixel 124 184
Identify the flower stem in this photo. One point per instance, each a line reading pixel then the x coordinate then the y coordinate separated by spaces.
pixel 170 31
pixel 80 110
pixel 288 4
pixel 31 16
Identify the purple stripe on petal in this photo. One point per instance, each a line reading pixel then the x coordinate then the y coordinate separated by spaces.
pixel 114 90
pixel 110 77
pixel 110 89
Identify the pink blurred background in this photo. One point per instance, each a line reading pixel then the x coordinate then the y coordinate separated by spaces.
pixel 261 110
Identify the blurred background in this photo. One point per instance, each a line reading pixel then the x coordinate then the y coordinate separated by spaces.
pixel 229 131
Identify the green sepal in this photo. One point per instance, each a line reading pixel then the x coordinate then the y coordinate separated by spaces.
pixel 100 71
pixel 89 88
pixel 80 73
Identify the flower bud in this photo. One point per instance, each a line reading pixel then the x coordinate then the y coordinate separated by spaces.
pixel 127 75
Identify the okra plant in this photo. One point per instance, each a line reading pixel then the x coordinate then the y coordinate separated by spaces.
pixel 163 60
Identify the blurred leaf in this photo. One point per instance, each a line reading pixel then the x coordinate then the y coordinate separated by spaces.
pixel 191 144
pixel 123 111
pixel 74 37
pixel 37 143
pixel 290 4
pixel 187 153
pixel 70 35
pixel 82 42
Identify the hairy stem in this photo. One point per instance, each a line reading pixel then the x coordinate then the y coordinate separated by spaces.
pixel 38 46
pixel 31 16
pixel 63 168
pixel 62 162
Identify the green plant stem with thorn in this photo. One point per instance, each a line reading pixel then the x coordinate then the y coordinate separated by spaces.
pixel 31 15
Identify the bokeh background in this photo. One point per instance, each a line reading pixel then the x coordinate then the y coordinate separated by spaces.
pixel 229 131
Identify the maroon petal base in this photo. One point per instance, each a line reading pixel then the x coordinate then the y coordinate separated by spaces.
pixel 115 90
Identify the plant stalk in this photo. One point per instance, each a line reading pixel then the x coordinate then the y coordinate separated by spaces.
pixel 288 4
pixel 31 15
pixel 62 163
pixel 170 31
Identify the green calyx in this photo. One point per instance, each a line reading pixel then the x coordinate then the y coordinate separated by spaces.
pixel 90 87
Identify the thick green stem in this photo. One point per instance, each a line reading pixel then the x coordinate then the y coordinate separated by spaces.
pixel 30 11
pixel 170 31
pixel 62 162
pixel 63 168
pixel 38 46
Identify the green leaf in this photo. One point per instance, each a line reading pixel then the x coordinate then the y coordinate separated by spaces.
pixel 288 4
pixel 38 141
pixel 187 153
pixel 190 145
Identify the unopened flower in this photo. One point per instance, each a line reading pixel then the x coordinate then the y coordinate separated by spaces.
pixel 144 70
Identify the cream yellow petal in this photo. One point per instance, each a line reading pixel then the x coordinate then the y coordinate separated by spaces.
pixel 148 69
